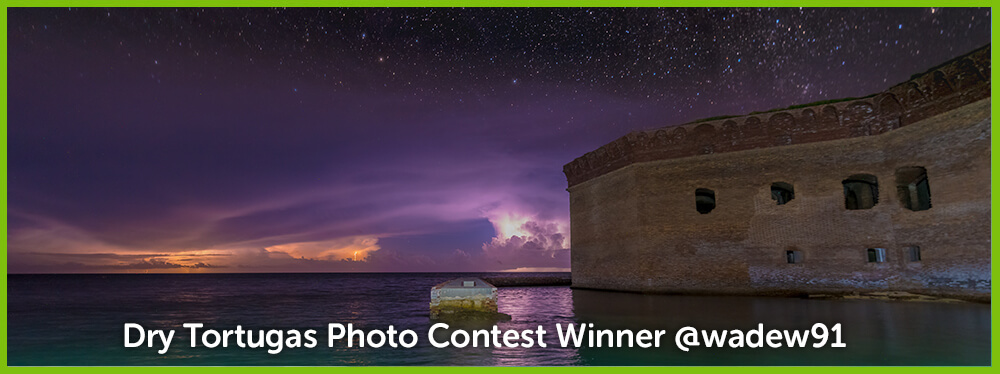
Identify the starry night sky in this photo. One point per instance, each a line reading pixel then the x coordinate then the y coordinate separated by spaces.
pixel 241 140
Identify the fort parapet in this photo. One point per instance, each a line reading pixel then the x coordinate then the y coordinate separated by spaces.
pixel 961 81
pixel 832 197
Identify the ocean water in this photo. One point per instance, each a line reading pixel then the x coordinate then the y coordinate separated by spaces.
pixel 78 320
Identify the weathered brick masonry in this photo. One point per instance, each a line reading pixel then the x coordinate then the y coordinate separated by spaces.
pixel 920 151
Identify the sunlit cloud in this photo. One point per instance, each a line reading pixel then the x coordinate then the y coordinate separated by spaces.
pixel 351 248
pixel 525 241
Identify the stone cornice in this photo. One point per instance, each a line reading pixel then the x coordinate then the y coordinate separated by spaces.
pixel 958 82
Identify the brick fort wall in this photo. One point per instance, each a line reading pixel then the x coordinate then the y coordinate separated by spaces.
pixel 919 223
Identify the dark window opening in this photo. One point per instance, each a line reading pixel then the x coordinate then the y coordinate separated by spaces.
pixel 914 253
pixel 876 254
pixel 793 257
pixel 782 192
pixel 860 191
pixel 704 200
pixel 914 192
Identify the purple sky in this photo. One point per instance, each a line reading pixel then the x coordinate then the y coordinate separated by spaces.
pixel 385 140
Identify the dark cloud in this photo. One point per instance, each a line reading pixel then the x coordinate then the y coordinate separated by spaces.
pixel 151 264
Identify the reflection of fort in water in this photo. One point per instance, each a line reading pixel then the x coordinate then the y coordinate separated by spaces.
pixel 885 193
pixel 876 332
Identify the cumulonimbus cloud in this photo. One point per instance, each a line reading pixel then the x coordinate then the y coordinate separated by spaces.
pixel 526 241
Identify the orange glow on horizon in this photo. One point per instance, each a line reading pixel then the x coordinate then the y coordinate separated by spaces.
pixel 352 248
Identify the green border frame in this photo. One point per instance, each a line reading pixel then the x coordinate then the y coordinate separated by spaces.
pixel 994 183
pixel 497 3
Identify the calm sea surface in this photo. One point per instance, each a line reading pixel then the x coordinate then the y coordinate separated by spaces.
pixel 78 320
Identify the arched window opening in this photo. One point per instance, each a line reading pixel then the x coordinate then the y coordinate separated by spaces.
pixel 782 192
pixel 704 200
pixel 860 191
pixel 913 190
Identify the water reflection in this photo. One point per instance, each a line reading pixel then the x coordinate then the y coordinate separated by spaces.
pixel 41 307
pixel 876 332
pixel 530 307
